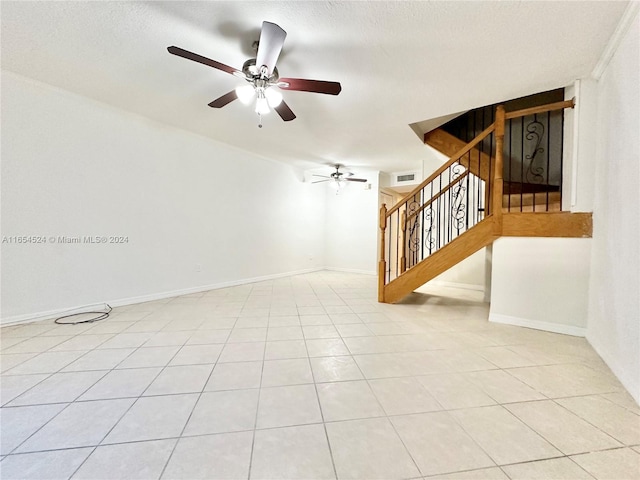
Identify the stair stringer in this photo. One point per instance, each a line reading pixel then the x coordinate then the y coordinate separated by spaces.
pixel 449 145
pixel 477 237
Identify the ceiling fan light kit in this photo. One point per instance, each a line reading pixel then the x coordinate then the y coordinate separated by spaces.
pixel 262 76
pixel 337 180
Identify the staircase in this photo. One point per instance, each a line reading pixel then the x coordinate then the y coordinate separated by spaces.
pixel 465 205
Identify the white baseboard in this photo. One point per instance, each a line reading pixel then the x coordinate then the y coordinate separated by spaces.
pixel 538 325
pixel 464 286
pixel 630 381
pixel 32 317
pixel 351 270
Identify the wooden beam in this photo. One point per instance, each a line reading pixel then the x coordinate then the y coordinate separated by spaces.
pixel 542 109
pixel 547 224
pixel 466 244
pixel 476 162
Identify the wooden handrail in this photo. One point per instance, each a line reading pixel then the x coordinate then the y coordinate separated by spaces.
pixel 382 264
pixel 541 109
pixel 434 175
pixel 438 195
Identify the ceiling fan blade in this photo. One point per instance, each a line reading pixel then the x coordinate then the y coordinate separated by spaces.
pixel 316 86
pixel 200 59
pixel 316 175
pixel 355 179
pixel 285 112
pixel 271 41
pixel 224 99
pixel 320 181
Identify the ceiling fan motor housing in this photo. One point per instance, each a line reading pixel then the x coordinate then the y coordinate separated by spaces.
pixel 253 72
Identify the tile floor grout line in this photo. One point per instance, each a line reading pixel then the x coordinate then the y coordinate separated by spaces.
pixel 19 363
pixel 443 409
pixel 184 427
pixel 579 418
pixel 386 416
pixel 472 438
pixel 505 473
pixel 48 375
pixel 64 409
pixel 255 422
pixel 83 462
pixel 602 395
pixel 580 466
pixel 41 427
pixel 41 353
pixel 553 445
pixel 406 321
pixel 324 425
pixel 69 401
pixel 121 417
pixel 128 442
pixel 586 420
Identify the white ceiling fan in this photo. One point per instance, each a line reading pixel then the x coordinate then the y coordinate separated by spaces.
pixel 338 179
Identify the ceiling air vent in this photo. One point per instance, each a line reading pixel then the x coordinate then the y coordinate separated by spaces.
pixel 399 179
pixel 407 177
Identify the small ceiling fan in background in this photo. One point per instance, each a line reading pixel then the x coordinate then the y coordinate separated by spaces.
pixel 262 76
pixel 338 179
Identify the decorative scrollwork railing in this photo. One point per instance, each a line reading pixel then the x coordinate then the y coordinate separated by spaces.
pixel 533 158
pixel 464 191
pixel 535 133
pixel 452 200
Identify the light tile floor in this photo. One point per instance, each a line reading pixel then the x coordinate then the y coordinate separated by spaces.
pixel 308 377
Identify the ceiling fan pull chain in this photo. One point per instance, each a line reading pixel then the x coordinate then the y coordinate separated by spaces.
pixel 259 120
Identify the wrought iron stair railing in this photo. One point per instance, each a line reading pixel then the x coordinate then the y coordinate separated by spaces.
pixel 462 194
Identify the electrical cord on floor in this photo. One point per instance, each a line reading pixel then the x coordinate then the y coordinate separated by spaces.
pixel 100 316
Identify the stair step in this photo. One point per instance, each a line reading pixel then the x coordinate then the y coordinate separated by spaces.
pixel 520 187
pixel 525 202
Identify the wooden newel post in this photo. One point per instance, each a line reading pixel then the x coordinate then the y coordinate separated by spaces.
pixel 496 205
pixel 382 264
pixel 403 242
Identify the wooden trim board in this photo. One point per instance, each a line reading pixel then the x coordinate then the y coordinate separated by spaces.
pixel 469 242
pixel 547 224
pixel 449 145
pixel 538 224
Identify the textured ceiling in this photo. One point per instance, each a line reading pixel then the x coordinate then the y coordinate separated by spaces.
pixel 398 62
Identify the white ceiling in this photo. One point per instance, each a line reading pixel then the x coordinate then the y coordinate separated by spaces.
pixel 398 62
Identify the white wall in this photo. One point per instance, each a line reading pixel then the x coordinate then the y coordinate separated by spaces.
pixel 470 273
pixel 72 166
pixel 614 307
pixel 589 286
pixel 432 160
pixel 351 226
pixel 541 283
